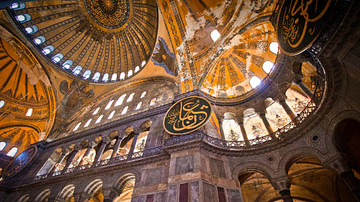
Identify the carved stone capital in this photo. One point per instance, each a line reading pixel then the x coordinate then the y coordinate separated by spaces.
pixel 281 183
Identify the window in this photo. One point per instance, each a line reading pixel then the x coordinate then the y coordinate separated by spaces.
pixel 87 74
pixel 111 115
pixel 77 70
pixel 57 57
pixel 124 110
pixel 113 77
pixel 2 145
pixel 130 97
pixel 23 18
pixel 268 66
pixel 152 102
pixel 215 35
pixel 96 77
pixel 29 112
pixel 48 49
pixel 99 119
pixel 32 29
pixel 109 105
pixel 105 77
pixel 87 123
pixel 96 111
pixel 120 100
pixel 137 68
pixel 254 81
pixel 17 6
pixel 143 63
pixel 138 106
pixel 77 126
pixel 274 47
pixel 67 64
pixel 122 76
pixel 2 103
pixel 12 152
pixel 130 73
pixel 143 94
pixel 39 40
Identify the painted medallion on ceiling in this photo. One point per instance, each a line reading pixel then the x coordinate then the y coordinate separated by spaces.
pixel 96 40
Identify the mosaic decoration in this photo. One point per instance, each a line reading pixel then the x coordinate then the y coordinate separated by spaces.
pixel 299 23
pixel 187 115
pixel 20 162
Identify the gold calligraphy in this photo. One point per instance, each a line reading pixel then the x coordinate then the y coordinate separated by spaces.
pixel 187 115
pixel 299 22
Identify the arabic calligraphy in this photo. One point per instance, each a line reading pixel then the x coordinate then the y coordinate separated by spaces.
pixel 300 22
pixel 20 162
pixel 187 115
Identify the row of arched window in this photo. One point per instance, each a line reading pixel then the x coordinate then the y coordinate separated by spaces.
pixel 28 112
pixel 22 18
pixel 12 152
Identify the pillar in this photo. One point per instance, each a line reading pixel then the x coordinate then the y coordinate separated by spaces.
pixel 285 195
pixel 91 145
pixel 104 142
pixel 137 132
pixel 109 194
pixel 304 88
pixel 59 161
pixel 282 184
pixel 243 131
pixel 267 125
pixel 71 157
pixel 117 145
pixel 288 110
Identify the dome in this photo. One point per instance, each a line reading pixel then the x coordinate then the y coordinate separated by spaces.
pixel 96 40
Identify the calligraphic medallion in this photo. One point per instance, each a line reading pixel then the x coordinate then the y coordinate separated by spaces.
pixel 300 22
pixel 187 115
pixel 20 162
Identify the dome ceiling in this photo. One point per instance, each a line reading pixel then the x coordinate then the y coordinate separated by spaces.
pixel 96 40
pixel 27 101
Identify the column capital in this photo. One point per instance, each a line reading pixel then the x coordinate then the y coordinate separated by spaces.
pixel 105 139
pixel 137 130
pixel 338 164
pixel 281 183
pixel 109 193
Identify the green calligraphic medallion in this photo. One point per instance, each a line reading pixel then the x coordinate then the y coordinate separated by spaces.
pixel 300 22
pixel 19 162
pixel 187 115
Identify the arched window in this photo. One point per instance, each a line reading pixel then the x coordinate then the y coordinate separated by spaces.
pixel 96 111
pixel 96 76
pixel 138 106
pixel 77 70
pixel 130 73
pixel 32 29
pixel 87 74
pixel 120 100
pixel 29 112
pixel 17 6
pixel 111 115
pixel 254 81
pixel 143 94
pixel 2 145
pixel 67 64
pixel 48 49
pixel 99 119
pixel 215 35
pixel 113 77
pixel 2 103
pixel 130 98
pixel 77 126
pixel 39 40
pixel 109 105
pixel 124 110
pixel 274 47
pixel 152 102
pixel 87 123
pixel 57 57
pixel 105 77
pixel 268 66
pixel 137 68
pixel 12 152
pixel 122 76
pixel 23 18
pixel 143 63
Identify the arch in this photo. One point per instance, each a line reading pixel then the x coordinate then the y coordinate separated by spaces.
pixel 39 40
pixel 87 74
pixel 24 198
pixel 2 145
pixel 93 187
pixel 66 193
pixel 77 70
pixel 42 197
pixel 96 77
pixel 125 186
pixel 31 29
pixel 67 64
pixel 105 77
pixel 57 57
pixel 23 18
pixel 12 152
pixel 252 166
pixel 48 49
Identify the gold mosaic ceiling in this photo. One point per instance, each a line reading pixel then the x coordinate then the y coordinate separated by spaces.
pixel 96 40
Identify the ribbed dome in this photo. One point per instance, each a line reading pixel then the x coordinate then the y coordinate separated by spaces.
pixel 97 40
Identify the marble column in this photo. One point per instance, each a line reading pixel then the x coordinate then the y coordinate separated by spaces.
pixel 59 161
pixel 104 142
pixel 285 195
pixel 243 131
pixel 133 144
pixel 91 145
pixel 117 145
pixel 267 125
pixel 71 157
pixel 288 110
